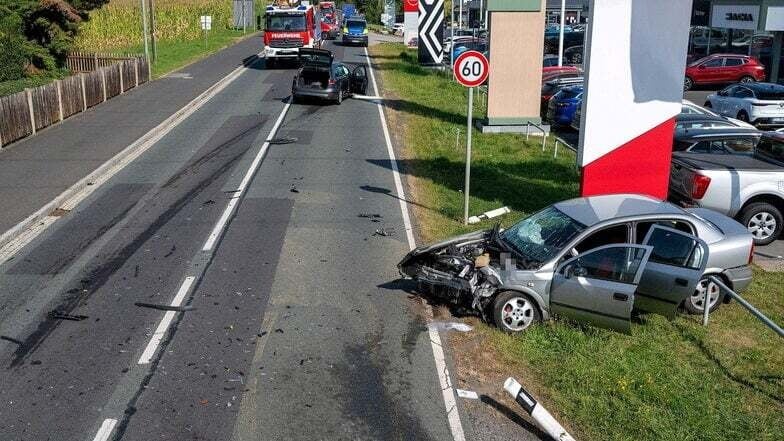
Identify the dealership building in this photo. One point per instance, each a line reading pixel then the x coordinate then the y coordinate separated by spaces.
pixel 751 27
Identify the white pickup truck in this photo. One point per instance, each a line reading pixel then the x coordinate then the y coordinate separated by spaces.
pixel 749 188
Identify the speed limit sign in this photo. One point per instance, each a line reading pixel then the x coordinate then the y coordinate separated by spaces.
pixel 471 68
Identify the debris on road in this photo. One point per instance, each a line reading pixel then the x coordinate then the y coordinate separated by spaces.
pixel 279 331
pixel 59 315
pixel 165 307
pixel 59 212
pixel 370 216
pixel 384 232
pixel 471 395
pixel 293 189
pixel 208 202
pixel 11 339
pixel 283 140
pixel 450 326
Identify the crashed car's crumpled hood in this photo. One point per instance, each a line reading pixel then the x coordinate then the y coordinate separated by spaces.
pixel 411 257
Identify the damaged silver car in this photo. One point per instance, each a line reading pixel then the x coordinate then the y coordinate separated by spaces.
pixel 591 259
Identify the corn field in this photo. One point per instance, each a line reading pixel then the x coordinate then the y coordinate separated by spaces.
pixel 117 25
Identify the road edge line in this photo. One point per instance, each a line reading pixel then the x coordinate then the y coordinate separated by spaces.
pixel 15 238
pixel 447 390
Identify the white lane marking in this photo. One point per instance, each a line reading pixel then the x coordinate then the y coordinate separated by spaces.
pixel 25 231
pixel 450 402
pixel 221 224
pixel 163 326
pixel 106 429
pixel 368 97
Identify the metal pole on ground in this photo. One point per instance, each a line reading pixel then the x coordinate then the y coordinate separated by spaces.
pixel 468 154
pixel 561 33
pixel 754 311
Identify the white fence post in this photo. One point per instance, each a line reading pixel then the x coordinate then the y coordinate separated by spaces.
pixel 103 82
pixel 84 94
pixel 29 94
pixel 122 65
pixel 136 70
pixel 60 98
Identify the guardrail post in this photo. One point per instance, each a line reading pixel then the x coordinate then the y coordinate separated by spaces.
pixel 84 94
pixel 555 155
pixel 136 70
pixel 527 130
pixel 60 99
pixel 754 311
pixel 29 94
pixel 103 82
pixel 122 86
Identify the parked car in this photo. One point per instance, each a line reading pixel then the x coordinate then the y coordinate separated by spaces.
pixel 574 55
pixel 724 141
pixel 463 46
pixel 398 29
pixel 685 121
pixel 562 106
pixel 746 187
pixel 760 104
pixel 329 28
pixel 688 107
pixel 550 60
pixel 321 77
pixel 592 259
pixel 355 31
pixel 552 87
pixel 723 69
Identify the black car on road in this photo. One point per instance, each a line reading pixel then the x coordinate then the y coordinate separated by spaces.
pixel 321 77
pixel 725 140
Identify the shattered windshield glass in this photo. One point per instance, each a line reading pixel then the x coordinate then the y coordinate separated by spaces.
pixel 541 236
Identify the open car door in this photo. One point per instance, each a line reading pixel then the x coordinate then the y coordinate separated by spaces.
pixel 675 267
pixel 359 80
pixel 598 286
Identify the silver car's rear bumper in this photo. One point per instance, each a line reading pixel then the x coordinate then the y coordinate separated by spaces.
pixel 739 277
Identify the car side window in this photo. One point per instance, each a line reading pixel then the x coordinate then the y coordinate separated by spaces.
pixel 701 147
pixel 643 227
pixel 617 264
pixel 740 145
pixel 716 62
pixel 742 92
pixel 606 236
pixel 670 248
pixel 733 62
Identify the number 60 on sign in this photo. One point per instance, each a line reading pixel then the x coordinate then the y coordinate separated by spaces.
pixel 471 68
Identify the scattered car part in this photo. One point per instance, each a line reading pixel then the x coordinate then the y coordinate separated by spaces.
pixel 489 215
pixel 533 408
pixel 165 307
pixel 60 315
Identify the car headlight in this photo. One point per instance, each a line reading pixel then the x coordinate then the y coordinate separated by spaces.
pixel 345 30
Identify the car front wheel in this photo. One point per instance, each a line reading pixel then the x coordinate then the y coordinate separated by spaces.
pixel 748 79
pixel 743 116
pixel 706 288
pixel 764 222
pixel 514 311
pixel 687 84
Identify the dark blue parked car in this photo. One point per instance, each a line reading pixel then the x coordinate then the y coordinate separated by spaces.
pixel 561 107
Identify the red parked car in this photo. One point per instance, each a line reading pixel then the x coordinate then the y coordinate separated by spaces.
pixel 552 72
pixel 723 69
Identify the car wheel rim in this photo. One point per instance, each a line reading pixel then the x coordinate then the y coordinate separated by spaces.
pixel 762 225
pixel 705 287
pixel 745 80
pixel 687 84
pixel 517 314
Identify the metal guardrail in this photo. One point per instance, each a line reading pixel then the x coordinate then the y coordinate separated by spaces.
pixel 754 311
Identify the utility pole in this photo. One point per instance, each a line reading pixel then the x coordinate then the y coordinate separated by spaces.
pixel 153 26
pixel 146 31
pixel 561 32
pixel 460 19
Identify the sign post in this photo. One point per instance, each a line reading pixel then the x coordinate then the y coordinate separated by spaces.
pixel 206 25
pixel 471 69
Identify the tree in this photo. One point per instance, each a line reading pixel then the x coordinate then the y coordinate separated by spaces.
pixel 37 34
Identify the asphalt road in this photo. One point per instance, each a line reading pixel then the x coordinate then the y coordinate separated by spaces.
pixel 291 326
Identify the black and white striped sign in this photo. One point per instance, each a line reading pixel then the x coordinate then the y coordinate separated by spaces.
pixel 431 31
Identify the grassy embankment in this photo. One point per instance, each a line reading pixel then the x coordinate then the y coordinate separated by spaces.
pixel 667 381
pixel 117 28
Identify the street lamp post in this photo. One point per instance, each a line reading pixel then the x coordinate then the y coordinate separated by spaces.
pixel 145 30
pixel 561 33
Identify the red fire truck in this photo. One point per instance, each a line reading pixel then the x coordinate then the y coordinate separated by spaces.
pixel 330 25
pixel 289 27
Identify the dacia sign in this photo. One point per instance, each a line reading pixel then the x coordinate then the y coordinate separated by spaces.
pixel 735 16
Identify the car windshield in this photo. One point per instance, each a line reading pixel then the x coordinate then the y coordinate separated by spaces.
pixel 285 23
pixel 541 236
pixel 355 23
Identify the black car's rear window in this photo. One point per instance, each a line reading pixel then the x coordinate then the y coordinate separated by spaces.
pixel 771 149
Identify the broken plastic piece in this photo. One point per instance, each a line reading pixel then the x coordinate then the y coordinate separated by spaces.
pixel 471 395
pixel 165 307
pixel 451 326
pixel 384 232
pixel 59 315
pixel 293 189
pixel 283 140
pixel 489 215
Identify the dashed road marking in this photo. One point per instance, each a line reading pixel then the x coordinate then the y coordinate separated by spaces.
pixel 106 430
pixel 163 326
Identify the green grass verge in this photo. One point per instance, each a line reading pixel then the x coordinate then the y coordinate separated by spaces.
pixel 11 87
pixel 667 381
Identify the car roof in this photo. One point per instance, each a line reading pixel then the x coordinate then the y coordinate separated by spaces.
pixel 595 209
pixel 715 132
pixel 764 87
pixel 684 117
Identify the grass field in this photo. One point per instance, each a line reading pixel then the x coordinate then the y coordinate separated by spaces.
pixel 667 381
pixel 117 28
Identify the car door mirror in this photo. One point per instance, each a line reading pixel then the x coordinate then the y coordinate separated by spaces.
pixel 574 270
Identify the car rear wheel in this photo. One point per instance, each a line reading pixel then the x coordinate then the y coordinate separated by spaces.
pixel 747 79
pixel 764 222
pixel 743 116
pixel 514 311
pixel 687 84
pixel 706 288
pixel 339 99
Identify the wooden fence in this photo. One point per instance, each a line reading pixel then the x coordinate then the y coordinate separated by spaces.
pixel 23 114
pixel 80 62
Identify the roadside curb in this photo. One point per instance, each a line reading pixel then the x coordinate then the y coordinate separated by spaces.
pixel 25 231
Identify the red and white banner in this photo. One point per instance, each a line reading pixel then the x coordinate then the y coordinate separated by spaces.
pixel 411 22
pixel 635 55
